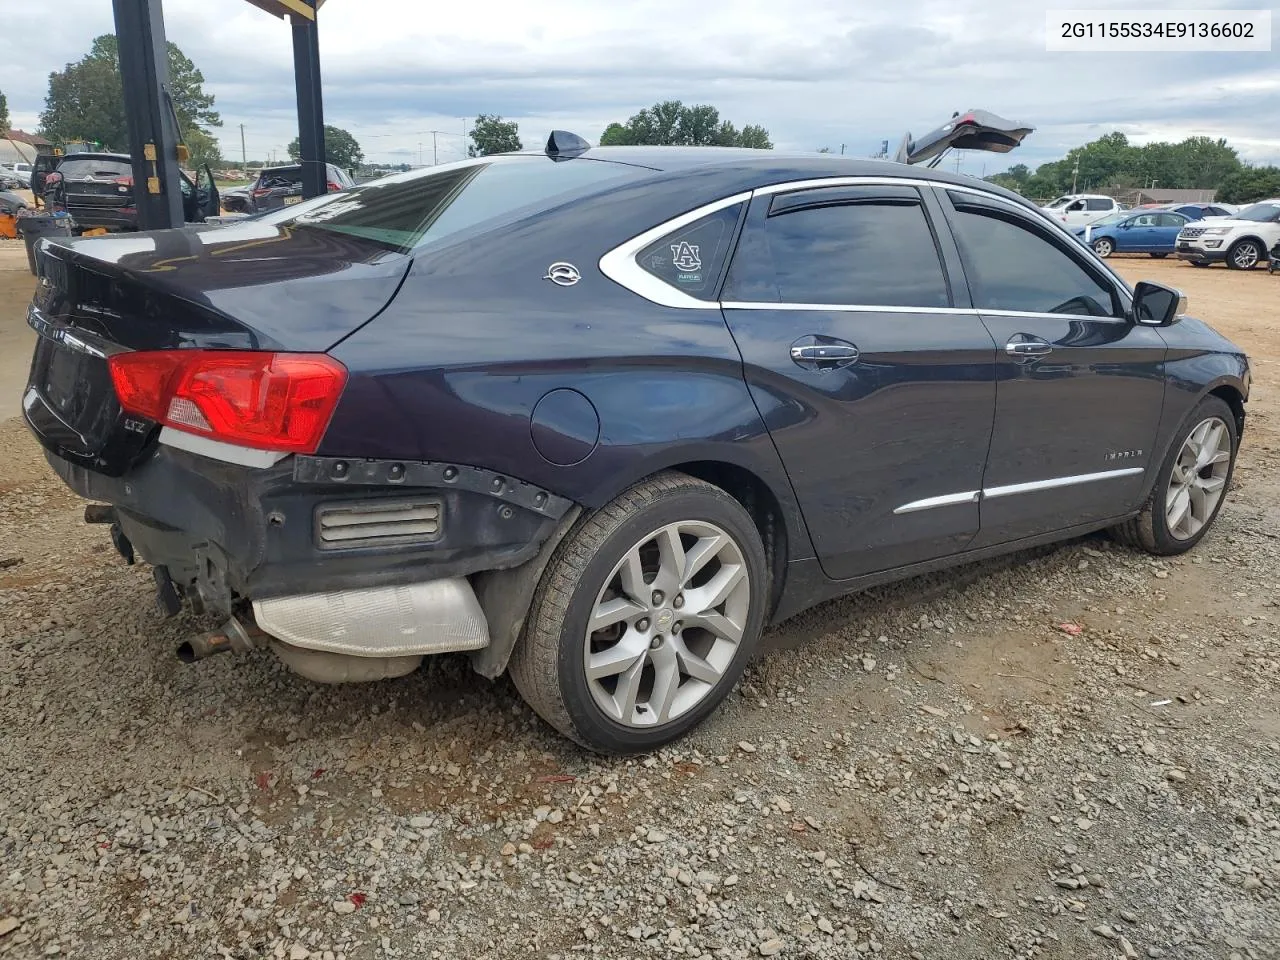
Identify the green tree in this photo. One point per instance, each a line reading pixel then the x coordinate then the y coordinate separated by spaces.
pixel 340 148
pixel 1250 184
pixel 491 134
pixel 4 113
pixel 671 122
pixel 86 98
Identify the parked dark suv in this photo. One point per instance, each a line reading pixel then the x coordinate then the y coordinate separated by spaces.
pixel 278 187
pixel 98 191
pixel 596 416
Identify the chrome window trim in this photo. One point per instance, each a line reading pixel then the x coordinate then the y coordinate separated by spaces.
pixel 1012 489
pixel 1050 316
pixel 946 500
pixel 840 307
pixel 620 266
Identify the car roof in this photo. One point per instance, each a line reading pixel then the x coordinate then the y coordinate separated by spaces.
pixel 98 155
pixel 774 166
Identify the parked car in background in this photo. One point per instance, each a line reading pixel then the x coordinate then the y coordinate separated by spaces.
pixel 11 180
pixel 1134 231
pixel 98 191
pixel 278 187
pixel 1241 241
pixel 45 164
pixel 237 199
pixel 1078 209
pixel 600 414
pixel 1192 211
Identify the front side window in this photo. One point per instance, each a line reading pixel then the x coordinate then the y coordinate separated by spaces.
pixel 1145 220
pixel 877 253
pixel 1013 267
pixel 691 258
pixel 1172 220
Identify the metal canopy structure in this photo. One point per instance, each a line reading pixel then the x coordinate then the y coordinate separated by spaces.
pixel 154 136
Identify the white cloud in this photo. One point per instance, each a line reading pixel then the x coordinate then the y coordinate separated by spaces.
pixel 814 72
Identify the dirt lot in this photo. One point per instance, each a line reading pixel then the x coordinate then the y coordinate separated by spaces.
pixel 933 770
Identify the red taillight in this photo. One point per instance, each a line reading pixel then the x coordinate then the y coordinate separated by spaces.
pixel 124 184
pixel 271 401
pixel 333 187
pixel 261 191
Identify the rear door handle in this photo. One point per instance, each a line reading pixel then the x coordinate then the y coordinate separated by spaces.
pixel 823 353
pixel 1024 348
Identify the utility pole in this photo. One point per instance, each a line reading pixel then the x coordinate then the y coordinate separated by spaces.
pixel 435 153
pixel 1075 172
pixel 419 153
pixel 842 149
pixel 244 157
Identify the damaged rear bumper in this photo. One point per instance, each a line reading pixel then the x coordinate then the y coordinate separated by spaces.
pixel 344 557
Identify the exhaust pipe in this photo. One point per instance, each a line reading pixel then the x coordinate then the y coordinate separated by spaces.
pixel 234 637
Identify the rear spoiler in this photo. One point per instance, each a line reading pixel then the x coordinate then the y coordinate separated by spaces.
pixel 975 130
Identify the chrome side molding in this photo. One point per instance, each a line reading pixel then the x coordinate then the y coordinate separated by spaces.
pixel 1012 489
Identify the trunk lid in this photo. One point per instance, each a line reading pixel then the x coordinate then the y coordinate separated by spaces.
pixel 249 286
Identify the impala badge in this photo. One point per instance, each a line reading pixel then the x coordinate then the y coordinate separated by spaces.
pixel 563 274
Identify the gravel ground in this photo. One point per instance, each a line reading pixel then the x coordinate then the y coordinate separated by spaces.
pixel 1074 752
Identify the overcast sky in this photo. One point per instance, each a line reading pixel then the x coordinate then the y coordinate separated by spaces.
pixel 814 72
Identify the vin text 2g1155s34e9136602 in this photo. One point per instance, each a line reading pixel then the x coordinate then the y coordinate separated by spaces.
pixel 596 416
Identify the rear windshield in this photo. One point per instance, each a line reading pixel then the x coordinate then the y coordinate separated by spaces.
pixel 88 168
pixel 410 210
pixel 281 177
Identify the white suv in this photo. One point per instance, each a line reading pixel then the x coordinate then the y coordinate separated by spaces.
pixel 1242 240
pixel 1078 209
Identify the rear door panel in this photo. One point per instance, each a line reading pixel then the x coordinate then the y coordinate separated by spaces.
pixel 906 422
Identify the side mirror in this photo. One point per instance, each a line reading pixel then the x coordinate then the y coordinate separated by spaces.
pixel 1155 305
pixel 1126 225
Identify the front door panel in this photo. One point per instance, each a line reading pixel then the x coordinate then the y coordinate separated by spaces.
pixel 1079 388
pixel 1088 409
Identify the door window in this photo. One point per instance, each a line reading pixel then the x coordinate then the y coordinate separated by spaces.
pixel 1099 203
pixel 1013 267
pixel 1172 220
pixel 877 252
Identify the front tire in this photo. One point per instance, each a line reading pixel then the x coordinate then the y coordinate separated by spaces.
pixel 1244 255
pixel 1191 486
pixel 645 617
pixel 1103 247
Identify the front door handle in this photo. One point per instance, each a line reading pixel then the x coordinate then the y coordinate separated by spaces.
pixel 823 353
pixel 1025 348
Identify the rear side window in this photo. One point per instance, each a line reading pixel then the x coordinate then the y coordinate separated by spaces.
pixel 1013 267
pixel 879 253
pixel 284 177
pixel 413 209
pixel 1172 220
pixel 1099 204
pixel 691 258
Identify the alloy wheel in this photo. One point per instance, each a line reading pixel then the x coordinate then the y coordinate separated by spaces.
pixel 667 624
pixel 1199 478
pixel 1245 256
pixel 1102 248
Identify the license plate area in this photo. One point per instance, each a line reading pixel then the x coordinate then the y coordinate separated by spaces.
pixel 292 200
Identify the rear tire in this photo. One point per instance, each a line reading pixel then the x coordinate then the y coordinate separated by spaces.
pixel 1244 255
pixel 1158 256
pixel 655 668
pixel 1185 499
pixel 1197 263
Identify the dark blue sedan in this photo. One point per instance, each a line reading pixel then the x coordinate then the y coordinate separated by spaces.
pixel 598 416
pixel 1154 232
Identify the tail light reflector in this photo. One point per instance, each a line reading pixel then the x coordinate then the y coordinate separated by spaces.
pixel 333 187
pixel 269 401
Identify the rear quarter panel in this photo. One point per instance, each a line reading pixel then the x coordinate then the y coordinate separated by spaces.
pixel 455 366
